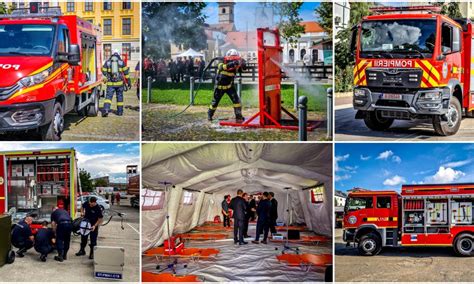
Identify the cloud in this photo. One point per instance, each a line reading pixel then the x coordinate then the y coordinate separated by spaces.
pixel 394 181
pixel 343 177
pixel 445 175
pixel 457 164
pixel 385 155
pixel 386 173
pixel 340 159
pixel 396 159
pixel 363 158
pixel 106 164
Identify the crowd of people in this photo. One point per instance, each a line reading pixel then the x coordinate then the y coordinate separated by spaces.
pixel 58 236
pixel 177 70
pixel 245 208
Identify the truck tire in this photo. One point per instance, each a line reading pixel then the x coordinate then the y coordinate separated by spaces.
pixel 374 122
pixel 53 131
pixel 93 108
pixel 11 257
pixel 450 127
pixel 464 245
pixel 370 244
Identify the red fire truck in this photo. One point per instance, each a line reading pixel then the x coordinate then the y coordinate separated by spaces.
pixel 422 215
pixel 34 182
pixel 49 66
pixel 413 63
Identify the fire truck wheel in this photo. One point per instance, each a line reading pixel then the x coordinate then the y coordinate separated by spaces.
pixel 464 244
pixel 93 108
pixel 11 257
pixel 370 244
pixel 52 131
pixel 377 123
pixel 454 116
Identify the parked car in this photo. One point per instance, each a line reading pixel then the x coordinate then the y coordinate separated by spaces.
pixel 123 195
pixel 101 201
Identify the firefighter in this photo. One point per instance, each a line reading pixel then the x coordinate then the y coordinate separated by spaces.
pixel 225 75
pixel 91 211
pixel 117 79
pixel 22 237
pixel 62 223
pixel 44 241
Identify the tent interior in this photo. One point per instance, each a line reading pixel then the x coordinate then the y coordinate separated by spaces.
pixel 183 186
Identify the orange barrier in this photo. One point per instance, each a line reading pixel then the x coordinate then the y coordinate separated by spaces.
pixel 202 236
pixel 214 224
pixel 213 228
pixel 185 252
pixel 298 228
pixel 167 277
pixel 306 259
pixel 304 240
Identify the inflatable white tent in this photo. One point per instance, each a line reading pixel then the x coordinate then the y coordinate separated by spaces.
pixel 187 183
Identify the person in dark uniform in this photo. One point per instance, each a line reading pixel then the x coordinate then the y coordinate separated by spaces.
pixel 62 224
pixel 91 211
pixel 252 208
pixel 22 237
pixel 238 205
pixel 247 215
pixel 273 212
pixel 117 77
pixel 225 211
pixel 44 241
pixel 263 212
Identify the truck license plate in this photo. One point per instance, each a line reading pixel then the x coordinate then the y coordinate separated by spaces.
pixel 392 97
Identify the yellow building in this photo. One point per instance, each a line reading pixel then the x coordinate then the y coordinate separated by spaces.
pixel 119 20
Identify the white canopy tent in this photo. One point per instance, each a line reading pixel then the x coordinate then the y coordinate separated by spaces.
pixel 203 173
pixel 190 52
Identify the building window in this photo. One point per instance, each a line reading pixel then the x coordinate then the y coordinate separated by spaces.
pixel 90 21
pixel 317 194
pixel 127 49
pixel 70 6
pixel 152 200
pixel 107 26
pixel 302 53
pixel 292 55
pixel 107 50
pixel 223 10
pixel 126 26
pixel 107 6
pixel 126 5
pixel 89 6
pixel 188 198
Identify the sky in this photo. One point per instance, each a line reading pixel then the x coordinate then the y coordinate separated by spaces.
pixel 99 159
pixel 245 13
pixel 379 166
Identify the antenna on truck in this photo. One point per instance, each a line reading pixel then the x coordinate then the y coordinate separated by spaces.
pixel 34 11
pixel 407 9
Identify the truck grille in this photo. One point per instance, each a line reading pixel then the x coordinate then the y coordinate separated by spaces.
pixel 395 114
pixel 6 92
pixel 399 78
pixel 392 103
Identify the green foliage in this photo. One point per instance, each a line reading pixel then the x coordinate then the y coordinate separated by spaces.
pixel 324 11
pixel 180 23
pixel 344 79
pixel 451 10
pixel 358 11
pixel 86 181
pixel 289 22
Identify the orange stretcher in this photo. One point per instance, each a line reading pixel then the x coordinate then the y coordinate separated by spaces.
pixel 192 253
pixel 213 228
pixel 203 236
pixel 297 228
pixel 306 260
pixel 168 277
pixel 305 240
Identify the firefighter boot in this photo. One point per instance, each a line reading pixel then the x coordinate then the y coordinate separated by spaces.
pixel 210 114
pixel 238 114
pixel 91 254
pixel 82 251
pixel 20 252
pixel 120 110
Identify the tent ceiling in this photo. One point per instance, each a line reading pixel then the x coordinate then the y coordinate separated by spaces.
pixel 219 167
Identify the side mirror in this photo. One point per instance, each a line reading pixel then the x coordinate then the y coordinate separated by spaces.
pixel 74 56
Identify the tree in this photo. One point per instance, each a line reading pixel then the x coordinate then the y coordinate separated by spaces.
pixel 101 183
pixel 166 23
pixel 4 9
pixel 86 181
pixel 324 11
pixel 451 10
pixel 289 20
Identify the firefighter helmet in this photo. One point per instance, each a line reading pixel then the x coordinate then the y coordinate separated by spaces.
pixel 232 52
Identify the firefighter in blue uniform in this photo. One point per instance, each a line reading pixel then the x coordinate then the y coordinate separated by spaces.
pixel 22 237
pixel 44 241
pixel 93 213
pixel 225 75
pixel 62 223
pixel 117 81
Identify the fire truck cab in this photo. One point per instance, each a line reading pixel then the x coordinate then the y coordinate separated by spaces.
pixel 49 66
pixel 413 63
pixel 422 215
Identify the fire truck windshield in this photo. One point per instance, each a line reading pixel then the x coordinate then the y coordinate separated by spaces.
pixel 357 203
pixel 401 38
pixel 29 40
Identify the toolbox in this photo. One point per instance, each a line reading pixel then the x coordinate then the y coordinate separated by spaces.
pixel 109 262
pixel 7 256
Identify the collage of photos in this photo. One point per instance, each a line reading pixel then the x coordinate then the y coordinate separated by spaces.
pixel 236 141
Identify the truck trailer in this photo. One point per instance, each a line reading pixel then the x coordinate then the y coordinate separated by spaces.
pixel 429 215
pixel 35 182
pixel 50 66
pixel 413 63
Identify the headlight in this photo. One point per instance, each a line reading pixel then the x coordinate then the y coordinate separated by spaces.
pixel 359 93
pixel 35 79
pixel 352 220
pixel 430 96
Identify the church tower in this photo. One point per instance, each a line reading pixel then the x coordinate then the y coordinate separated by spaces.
pixel 226 12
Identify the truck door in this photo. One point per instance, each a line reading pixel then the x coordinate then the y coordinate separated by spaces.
pixel 451 49
pixel 3 201
pixel 359 210
pixel 386 211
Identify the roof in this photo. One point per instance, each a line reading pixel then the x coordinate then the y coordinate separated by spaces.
pixel 223 27
pixel 242 40
pixel 373 192
pixel 312 27
pixel 340 193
